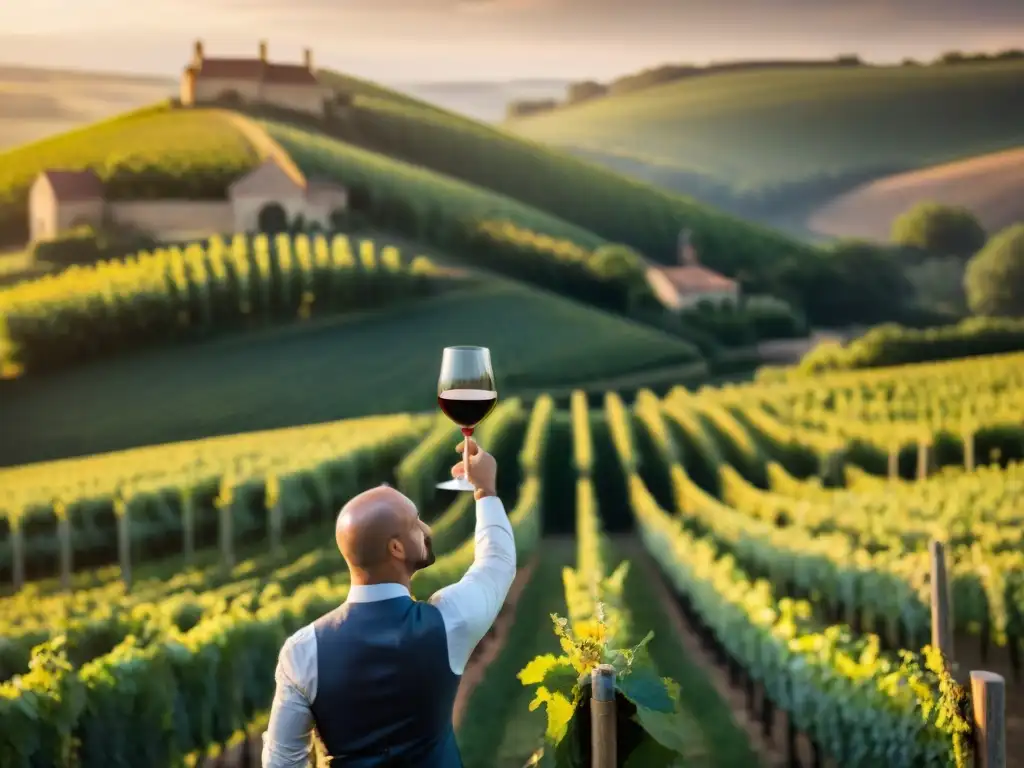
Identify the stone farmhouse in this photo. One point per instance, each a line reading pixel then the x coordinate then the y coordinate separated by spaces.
pixel 690 283
pixel 253 80
pixel 64 199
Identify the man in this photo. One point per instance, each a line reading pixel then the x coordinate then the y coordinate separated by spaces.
pixel 377 676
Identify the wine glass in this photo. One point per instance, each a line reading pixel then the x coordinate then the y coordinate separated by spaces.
pixel 466 393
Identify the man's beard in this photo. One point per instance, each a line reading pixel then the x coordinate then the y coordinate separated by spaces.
pixel 428 559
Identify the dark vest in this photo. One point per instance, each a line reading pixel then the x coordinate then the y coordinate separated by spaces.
pixel 385 690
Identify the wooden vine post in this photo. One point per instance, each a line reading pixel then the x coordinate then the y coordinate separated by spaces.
pixel 942 609
pixel 122 511
pixel 924 452
pixel 275 515
pixel 968 438
pixel 17 553
pixel 60 510
pixel 225 504
pixel 188 525
pixel 988 704
pixel 894 461
pixel 603 738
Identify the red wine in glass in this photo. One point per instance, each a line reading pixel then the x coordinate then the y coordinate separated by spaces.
pixel 466 394
pixel 467 407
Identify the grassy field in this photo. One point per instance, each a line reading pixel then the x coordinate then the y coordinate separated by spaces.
pixel 380 363
pixel 992 186
pixel 151 153
pixel 36 102
pixel 766 132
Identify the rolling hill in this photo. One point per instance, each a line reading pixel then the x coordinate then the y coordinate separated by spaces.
pixel 992 186
pixel 768 140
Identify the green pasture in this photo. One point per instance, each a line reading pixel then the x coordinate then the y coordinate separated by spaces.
pixel 376 363
pixel 758 130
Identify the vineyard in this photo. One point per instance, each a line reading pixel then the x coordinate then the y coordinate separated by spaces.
pixel 803 572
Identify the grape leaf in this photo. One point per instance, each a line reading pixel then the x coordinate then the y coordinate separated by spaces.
pixel 646 689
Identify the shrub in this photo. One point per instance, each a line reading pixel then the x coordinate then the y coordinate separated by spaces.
pixel 994 280
pixel 941 230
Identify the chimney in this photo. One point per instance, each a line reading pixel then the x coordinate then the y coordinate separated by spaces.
pixel 197 52
pixel 307 55
pixel 263 51
pixel 687 253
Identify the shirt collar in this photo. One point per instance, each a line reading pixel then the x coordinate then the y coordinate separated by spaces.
pixel 372 593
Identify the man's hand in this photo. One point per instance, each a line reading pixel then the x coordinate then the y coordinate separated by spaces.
pixel 483 469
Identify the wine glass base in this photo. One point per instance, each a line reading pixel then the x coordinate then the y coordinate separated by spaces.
pixel 456 484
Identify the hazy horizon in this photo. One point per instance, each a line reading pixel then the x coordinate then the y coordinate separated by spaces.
pixel 424 41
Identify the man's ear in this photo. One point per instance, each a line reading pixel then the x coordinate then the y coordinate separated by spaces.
pixel 396 549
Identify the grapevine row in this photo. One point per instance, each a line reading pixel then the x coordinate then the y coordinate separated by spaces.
pixel 188 687
pixel 194 292
pixel 858 705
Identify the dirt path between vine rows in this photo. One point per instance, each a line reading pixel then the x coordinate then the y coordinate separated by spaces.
pixel 491 646
pixel 770 749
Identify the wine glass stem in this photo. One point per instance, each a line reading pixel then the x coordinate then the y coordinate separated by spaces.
pixel 467 433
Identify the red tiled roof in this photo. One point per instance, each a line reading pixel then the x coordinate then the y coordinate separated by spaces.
pixel 289 74
pixel 697 280
pixel 253 69
pixel 74 186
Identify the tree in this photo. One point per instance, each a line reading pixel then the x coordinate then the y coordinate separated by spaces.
pixel 994 279
pixel 941 230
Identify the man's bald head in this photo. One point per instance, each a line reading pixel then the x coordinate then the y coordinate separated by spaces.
pixel 370 522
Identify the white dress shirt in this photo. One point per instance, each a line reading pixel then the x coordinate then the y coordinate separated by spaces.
pixel 468 608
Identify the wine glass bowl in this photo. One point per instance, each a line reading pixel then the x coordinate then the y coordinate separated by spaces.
pixel 466 394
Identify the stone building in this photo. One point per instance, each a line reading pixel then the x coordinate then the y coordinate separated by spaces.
pixel 253 80
pixel 687 285
pixel 61 200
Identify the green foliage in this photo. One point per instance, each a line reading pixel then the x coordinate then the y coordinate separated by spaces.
pixel 196 292
pixel 149 154
pixel 562 688
pixel 889 345
pixel 994 280
pixel 941 230
pixel 856 282
pixel 610 277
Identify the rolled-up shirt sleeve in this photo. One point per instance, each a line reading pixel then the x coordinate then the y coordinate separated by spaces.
pixel 470 606
pixel 288 741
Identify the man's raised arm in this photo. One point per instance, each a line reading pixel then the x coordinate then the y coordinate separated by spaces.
pixel 471 605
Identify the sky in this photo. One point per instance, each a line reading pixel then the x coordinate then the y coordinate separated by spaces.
pixel 434 40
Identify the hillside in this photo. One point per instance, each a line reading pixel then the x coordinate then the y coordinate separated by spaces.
pixel 150 153
pixel 36 102
pixel 762 141
pixel 608 204
pixel 991 186
pixel 375 363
